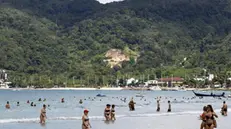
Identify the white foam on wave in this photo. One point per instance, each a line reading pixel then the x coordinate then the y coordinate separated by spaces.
pixel 36 120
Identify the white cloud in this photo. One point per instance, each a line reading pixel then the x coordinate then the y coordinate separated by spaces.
pixel 107 1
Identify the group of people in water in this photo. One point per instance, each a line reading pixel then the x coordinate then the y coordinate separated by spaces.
pixel 208 116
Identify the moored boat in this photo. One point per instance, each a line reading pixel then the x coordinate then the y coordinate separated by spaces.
pixel 209 95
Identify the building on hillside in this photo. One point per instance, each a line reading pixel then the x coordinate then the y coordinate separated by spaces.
pixel 172 81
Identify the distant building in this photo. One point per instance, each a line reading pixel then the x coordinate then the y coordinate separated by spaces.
pixel 131 80
pixel 171 81
pixel 3 79
pixel 211 77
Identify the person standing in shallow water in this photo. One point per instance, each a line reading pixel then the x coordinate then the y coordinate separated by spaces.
pixel 224 109
pixel 169 107
pixel 113 112
pixel 132 105
pixel 85 120
pixel 43 115
pixel 158 106
pixel 107 112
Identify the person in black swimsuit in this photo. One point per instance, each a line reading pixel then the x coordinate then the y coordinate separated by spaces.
pixel 224 109
pixel 107 112
pixel 85 120
pixel 169 107
pixel 158 106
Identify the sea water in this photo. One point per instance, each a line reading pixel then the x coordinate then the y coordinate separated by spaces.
pixel 184 115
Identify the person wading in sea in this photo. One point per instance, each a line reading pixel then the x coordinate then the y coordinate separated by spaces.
pixel 224 109
pixel 131 105
pixel 113 112
pixel 158 106
pixel 169 107
pixel 7 105
pixel 43 115
pixel 85 120
pixel 210 120
pixel 107 112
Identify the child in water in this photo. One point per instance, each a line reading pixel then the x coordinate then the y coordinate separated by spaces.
pixel 113 112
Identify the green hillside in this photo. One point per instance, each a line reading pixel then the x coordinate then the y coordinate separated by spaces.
pixel 47 42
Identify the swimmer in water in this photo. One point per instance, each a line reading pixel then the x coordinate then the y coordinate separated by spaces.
pixel 158 106
pixel 169 107
pixel 62 100
pixel 224 109
pixel 43 115
pixel 40 99
pixel 80 101
pixel 32 104
pixel 44 100
pixel 113 112
pixel 85 120
pixel 203 118
pixel 7 105
pixel 18 104
pixel 107 111
pixel 28 101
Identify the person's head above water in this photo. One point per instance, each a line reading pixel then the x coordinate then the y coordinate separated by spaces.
pixel 7 102
pixel 224 102
pixel 113 106
pixel 44 106
pixel 108 105
pixel 168 101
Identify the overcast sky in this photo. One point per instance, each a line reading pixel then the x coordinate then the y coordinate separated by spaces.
pixel 107 1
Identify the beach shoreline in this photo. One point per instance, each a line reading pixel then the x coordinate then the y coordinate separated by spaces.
pixel 118 89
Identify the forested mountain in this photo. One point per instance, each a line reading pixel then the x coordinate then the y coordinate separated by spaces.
pixel 46 42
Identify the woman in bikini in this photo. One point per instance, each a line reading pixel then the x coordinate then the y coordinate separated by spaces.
pixel 107 111
pixel 43 115
pixel 210 120
pixel 85 120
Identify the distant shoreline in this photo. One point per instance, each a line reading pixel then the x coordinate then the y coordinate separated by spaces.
pixel 119 89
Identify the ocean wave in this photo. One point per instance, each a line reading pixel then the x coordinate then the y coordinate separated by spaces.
pixel 36 120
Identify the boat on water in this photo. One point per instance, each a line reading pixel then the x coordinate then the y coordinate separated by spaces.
pixel 100 95
pixel 209 95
